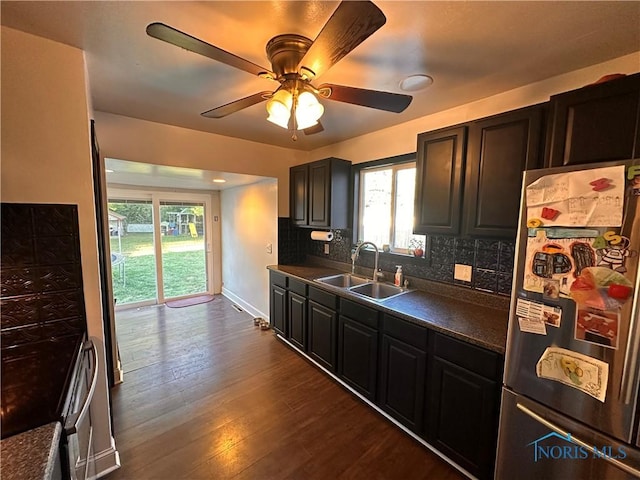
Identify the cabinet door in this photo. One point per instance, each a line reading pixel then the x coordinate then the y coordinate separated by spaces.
pixel 462 416
pixel 298 320
pixel 500 149
pixel 278 309
pixel 320 193
pixel 358 351
pixel 596 123
pixel 402 382
pixel 439 173
pixel 299 181
pixel 322 335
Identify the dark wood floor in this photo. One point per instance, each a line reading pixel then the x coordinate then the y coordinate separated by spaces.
pixel 208 395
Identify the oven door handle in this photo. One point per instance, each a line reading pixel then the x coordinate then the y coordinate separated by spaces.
pixel 72 421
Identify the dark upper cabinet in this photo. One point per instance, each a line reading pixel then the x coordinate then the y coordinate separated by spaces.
pixel 439 180
pixel 595 123
pixel 319 193
pixel 358 347
pixel 298 184
pixel 500 148
pixel 462 403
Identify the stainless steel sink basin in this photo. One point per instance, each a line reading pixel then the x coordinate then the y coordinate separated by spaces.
pixel 378 291
pixel 344 280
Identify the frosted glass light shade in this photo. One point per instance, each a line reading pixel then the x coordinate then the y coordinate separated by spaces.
pixel 308 110
pixel 279 108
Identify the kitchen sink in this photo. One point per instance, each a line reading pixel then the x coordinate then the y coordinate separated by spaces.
pixel 378 291
pixel 344 280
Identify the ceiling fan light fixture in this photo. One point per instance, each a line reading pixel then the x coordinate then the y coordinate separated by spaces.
pixel 308 110
pixel 279 108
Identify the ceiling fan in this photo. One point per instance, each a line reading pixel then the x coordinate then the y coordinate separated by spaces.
pixel 295 62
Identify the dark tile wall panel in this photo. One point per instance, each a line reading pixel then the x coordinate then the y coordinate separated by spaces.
pixel 42 311
pixel 491 260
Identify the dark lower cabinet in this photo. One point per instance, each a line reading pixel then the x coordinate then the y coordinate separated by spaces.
pixel 278 309
pixel 323 326
pixel 298 320
pixel 358 354
pixel 463 402
pixel 402 381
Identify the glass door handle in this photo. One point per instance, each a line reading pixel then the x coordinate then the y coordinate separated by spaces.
pixel 573 439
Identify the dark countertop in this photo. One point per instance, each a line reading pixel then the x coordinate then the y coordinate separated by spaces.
pixel 480 325
pixel 32 454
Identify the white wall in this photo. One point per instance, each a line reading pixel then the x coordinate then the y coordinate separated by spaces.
pixel 136 140
pixel 46 158
pixel 401 138
pixel 249 223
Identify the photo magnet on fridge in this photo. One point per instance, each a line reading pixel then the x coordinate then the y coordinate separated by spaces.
pixel 597 326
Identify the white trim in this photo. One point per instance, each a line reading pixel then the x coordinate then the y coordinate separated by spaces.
pixel 107 460
pixel 378 409
pixel 250 309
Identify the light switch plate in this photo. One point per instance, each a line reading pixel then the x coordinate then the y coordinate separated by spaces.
pixel 269 248
pixel 462 272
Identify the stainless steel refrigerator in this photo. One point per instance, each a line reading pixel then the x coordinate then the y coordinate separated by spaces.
pixel 570 400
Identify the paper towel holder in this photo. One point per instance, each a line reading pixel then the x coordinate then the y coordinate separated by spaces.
pixel 321 236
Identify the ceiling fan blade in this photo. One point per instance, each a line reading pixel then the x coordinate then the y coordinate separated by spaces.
pixel 317 128
pixel 237 105
pixel 176 37
pixel 350 25
pixel 391 102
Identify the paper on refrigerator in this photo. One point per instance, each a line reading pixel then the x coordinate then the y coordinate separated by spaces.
pixel 576 370
pixel 593 198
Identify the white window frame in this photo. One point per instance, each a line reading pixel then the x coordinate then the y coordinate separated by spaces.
pixel 395 168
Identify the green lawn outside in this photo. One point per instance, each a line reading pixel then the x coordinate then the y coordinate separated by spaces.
pixel 183 267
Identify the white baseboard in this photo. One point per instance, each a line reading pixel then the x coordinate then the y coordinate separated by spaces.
pixel 107 460
pixel 250 309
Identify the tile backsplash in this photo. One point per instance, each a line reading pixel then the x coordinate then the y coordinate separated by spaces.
pixel 491 260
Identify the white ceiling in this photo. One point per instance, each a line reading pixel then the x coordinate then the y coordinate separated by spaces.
pixel 471 49
pixel 135 174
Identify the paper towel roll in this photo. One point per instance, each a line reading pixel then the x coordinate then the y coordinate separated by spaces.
pixel 322 236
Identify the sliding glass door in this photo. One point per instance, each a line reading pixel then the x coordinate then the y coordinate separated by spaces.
pixel 159 246
pixel 184 259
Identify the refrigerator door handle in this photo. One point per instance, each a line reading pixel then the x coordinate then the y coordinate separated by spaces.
pixel 616 463
pixel 629 372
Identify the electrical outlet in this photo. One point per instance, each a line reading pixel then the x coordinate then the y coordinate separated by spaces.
pixel 326 249
pixel 462 272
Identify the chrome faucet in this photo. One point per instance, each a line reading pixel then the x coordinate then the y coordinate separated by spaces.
pixel 356 254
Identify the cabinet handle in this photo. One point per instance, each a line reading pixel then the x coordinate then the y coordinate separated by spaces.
pixel 552 426
pixel 75 418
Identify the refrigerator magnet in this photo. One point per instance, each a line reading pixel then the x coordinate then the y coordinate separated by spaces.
pixel 575 370
pixel 532 325
pixel 597 326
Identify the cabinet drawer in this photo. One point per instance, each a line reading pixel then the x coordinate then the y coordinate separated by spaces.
pixel 298 286
pixel 473 358
pixel 360 313
pixel 323 298
pixel 410 333
pixel 279 279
